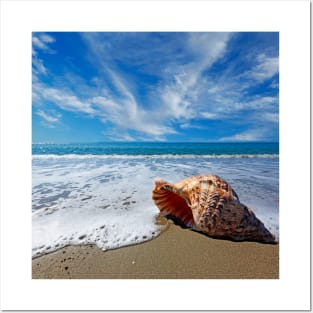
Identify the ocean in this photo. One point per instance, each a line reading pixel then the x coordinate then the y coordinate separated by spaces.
pixel 100 193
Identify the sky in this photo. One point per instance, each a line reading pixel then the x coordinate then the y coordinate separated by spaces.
pixel 159 86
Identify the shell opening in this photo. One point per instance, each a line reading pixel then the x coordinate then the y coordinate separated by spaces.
pixel 172 205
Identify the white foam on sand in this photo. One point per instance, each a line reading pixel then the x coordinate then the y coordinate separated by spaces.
pixel 80 203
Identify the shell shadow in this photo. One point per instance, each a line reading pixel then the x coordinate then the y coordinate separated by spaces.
pixel 179 223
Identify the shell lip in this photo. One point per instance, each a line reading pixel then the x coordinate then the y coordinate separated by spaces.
pixel 168 198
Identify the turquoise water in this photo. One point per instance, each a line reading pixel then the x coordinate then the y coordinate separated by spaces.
pixel 155 148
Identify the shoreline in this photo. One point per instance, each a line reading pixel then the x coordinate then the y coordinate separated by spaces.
pixel 176 253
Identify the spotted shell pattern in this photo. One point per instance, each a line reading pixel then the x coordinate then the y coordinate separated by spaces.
pixel 207 203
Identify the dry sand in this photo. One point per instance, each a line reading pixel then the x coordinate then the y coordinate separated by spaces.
pixel 176 253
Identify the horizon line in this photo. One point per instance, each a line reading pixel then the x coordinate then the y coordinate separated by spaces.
pixel 156 142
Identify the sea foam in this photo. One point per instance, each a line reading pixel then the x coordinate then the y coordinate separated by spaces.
pixel 106 204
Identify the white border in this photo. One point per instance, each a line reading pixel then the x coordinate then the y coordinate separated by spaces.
pixel 19 19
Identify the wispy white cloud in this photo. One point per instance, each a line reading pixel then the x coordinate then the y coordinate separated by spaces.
pixel 184 84
pixel 269 117
pixel 46 38
pixel 208 115
pixel 42 42
pixel 260 123
pixel 207 47
pixel 63 99
pixel 49 119
pixel 122 113
pixel 121 106
pixel 117 135
pixel 265 68
pixel 191 126
pixel 38 67
pixel 125 115
pixel 257 134
pixel 181 96
pixel 228 98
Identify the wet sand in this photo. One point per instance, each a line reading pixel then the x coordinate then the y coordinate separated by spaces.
pixel 176 253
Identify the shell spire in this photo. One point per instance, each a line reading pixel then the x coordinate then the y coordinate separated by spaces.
pixel 207 203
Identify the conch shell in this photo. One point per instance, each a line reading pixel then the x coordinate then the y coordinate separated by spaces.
pixel 207 203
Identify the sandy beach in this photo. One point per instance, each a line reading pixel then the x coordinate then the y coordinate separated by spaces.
pixel 176 253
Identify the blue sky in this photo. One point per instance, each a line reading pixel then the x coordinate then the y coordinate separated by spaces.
pixel 201 87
